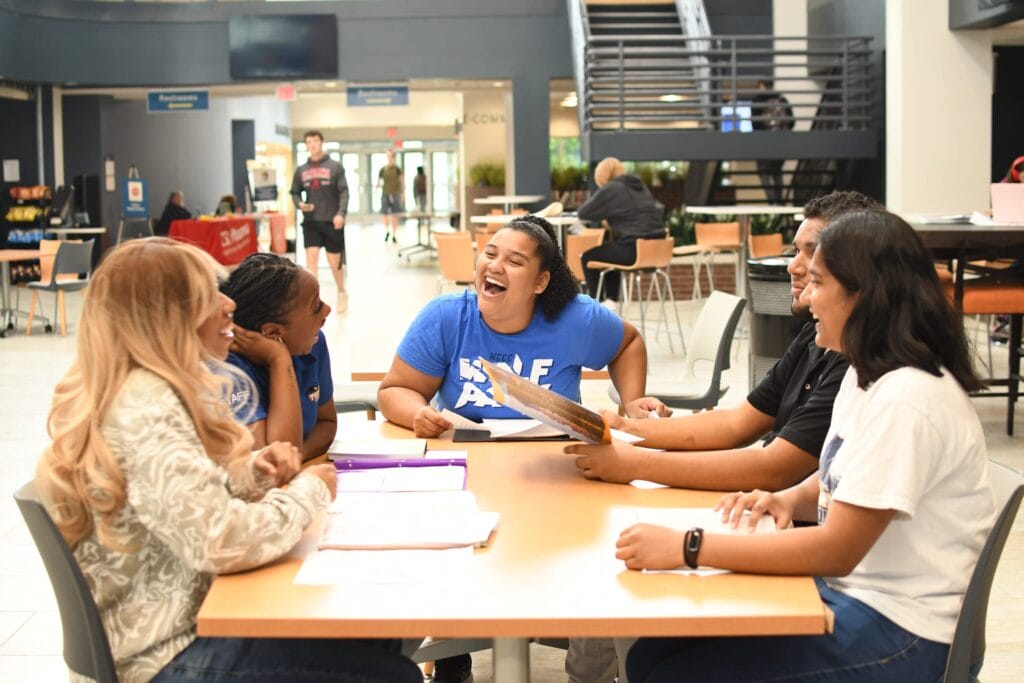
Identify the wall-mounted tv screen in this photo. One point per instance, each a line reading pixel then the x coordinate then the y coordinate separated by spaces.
pixel 277 47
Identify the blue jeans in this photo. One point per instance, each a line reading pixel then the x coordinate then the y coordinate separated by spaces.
pixel 283 660
pixel 864 647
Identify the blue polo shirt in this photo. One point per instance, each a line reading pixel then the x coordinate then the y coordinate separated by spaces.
pixel 313 373
pixel 449 336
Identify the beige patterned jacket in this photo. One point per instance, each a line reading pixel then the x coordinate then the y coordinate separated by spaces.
pixel 191 519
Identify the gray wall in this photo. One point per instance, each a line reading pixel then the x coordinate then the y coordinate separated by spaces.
pixel 188 151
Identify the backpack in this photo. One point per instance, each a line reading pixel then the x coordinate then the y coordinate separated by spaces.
pixel 778 114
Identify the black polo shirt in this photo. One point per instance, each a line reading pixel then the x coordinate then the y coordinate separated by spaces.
pixel 799 391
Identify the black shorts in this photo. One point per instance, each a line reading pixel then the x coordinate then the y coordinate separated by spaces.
pixel 323 234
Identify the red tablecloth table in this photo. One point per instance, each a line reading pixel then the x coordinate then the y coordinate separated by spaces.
pixel 229 240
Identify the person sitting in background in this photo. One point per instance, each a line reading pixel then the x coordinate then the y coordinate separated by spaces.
pixel 625 203
pixel 280 346
pixel 901 503
pixel 227 206
pixel 156 489
pixel 174 211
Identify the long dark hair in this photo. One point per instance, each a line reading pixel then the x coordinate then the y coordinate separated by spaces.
pixel 263 287
pixel 902 316
pixel 561 287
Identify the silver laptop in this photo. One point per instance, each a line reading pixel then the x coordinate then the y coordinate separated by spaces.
pixel 1008 203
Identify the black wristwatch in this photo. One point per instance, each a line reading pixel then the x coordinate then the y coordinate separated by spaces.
pixel 691 546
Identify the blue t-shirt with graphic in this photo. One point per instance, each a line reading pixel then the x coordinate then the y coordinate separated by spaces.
pixel 449 336
pixel 312 372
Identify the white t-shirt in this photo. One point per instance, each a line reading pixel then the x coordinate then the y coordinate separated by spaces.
pixel 912 443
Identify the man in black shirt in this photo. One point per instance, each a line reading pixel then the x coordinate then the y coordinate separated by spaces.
pixel 792 406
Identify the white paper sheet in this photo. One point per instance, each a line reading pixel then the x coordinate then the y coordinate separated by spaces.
pixel 435 519
pixel 686 518
pixel 395 479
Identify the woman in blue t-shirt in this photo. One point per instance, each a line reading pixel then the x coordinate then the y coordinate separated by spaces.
pixel 279 345
pixel 525 315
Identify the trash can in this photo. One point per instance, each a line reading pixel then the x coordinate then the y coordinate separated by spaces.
pixel 772 325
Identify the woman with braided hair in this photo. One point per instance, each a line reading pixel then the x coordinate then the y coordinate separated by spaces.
pixel 280 346
pixel 525 315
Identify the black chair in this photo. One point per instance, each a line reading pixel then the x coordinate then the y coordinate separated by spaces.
pixel 72 258
pixel 133 228
pixel 86 650
pixel 968 647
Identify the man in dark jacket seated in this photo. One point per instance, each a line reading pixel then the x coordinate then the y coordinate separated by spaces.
pixel 625 203
pixel 175 210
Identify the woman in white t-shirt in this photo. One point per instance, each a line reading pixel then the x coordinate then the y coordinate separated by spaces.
pixel 902 497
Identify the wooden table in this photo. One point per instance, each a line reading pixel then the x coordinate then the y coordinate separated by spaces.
pixel 550 571
pixel 7 313
pixel 507 201
pixel 965 242
pixel 744 213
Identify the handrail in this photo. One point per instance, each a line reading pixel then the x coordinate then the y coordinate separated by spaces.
pixel 690 80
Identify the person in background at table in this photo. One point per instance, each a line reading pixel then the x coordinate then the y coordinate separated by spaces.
pixel 1015 174
pixel 174 211
pixel 625 203
pixel 226 206
pixel 526 316
pixel 902 497
pixel 419 189
pixel 281 348
pixel 789 411
pixel 322 180
pixel 771 111
pixel 155 486
pixel 389 182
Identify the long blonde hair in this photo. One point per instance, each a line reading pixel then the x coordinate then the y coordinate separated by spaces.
pixel 143 309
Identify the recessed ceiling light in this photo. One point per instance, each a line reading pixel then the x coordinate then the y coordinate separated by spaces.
pixel 330 84
pixel 498 84
pixel 671 98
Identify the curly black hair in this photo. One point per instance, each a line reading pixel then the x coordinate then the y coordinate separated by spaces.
pixel 561 287
pixel 835 204
pixel 263 287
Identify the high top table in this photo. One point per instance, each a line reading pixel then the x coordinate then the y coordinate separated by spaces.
pixel 549 571
pixel 562 222
pixel 7 313
pixel 507 201
pixel 744 212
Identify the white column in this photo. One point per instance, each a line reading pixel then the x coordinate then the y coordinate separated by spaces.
pixel 938 111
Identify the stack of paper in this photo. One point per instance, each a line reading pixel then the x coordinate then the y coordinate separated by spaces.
pixel 377 448
pixel 433 519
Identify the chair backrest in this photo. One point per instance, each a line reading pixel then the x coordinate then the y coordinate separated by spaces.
pixel 717 234
pixel 968 646
pixel 654 253
pixel 577 245
pixel 483 238
pixel 455 257
pixel 712 335
pixel 765 245
pixel 47 257
pixel 133 228
pixel 86 650
pixel 73 257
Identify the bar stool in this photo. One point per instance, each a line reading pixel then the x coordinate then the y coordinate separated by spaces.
pixel 995 298
pixel 653 257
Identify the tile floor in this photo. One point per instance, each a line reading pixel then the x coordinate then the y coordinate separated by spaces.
pixel 386 292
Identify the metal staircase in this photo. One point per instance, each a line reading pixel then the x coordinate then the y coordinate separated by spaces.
pixel 653 84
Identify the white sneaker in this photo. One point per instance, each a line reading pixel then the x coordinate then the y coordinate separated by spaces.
pixel 342 303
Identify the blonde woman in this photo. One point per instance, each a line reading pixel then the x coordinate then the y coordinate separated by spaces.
pixel 153 484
